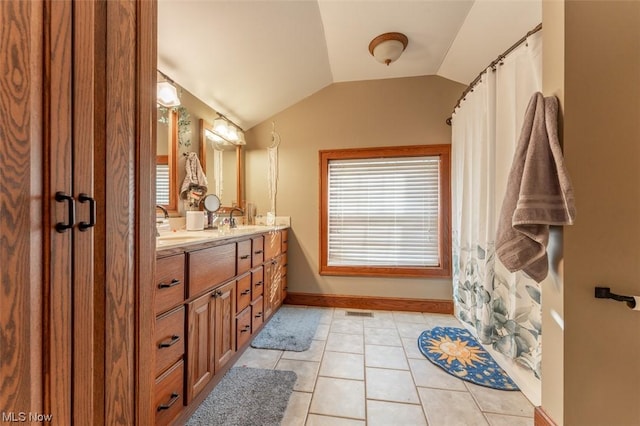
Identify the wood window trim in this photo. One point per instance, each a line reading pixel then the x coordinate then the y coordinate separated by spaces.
pixel 444 214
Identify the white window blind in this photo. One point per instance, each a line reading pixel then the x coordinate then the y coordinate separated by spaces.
pixel 162 184
pixel 384 212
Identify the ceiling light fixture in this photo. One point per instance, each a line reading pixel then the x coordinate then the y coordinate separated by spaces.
pixel 226 131
pixel 388 47
pixel 166 92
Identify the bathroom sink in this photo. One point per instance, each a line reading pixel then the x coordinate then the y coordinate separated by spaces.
pixel 183 237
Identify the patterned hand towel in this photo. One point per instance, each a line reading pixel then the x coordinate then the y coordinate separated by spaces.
pixel 194 186
pixel 539 192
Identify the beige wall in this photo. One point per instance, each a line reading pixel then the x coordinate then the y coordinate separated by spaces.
pixel 552 287
pixel 407 111
pixel 602 150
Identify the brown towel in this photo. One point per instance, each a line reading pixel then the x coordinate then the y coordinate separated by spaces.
pixel 194 186
pixel 539 193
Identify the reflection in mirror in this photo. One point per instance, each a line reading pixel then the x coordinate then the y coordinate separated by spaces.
pixel 222 164
pixel 166 160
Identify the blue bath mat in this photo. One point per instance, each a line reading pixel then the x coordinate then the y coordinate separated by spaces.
pixel 457 352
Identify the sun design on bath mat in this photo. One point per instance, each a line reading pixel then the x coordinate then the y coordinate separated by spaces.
pixel 455 350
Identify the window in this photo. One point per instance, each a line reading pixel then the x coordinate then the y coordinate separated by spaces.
pixel 385 211
pixel 162 184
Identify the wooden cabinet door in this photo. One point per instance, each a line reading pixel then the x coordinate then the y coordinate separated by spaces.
pixel 201 343
pixel 268 293
pixel 225 323
pixel 272 245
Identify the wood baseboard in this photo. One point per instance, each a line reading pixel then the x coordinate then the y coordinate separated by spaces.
pixel 368 302
pixel 541 418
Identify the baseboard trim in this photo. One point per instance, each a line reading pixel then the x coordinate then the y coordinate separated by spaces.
pixel 368 302
pixel 541 418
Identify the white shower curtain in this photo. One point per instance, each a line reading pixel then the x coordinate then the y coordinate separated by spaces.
pixel 503 308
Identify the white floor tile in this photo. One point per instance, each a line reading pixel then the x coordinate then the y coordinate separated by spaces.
pixel 317 420
pixel 259 358
pixel 504 420
pixel 383 413
pixel 412 317
pixel 450 408
pixel 297 409
pixel 428 375
pixel 342 365
pixel 391 385
pixel 307 372
pixel 352 343
pixel 338 397
pixel 382 336
pixel 501 402
pixel 411 348
pixel 347 326
pixel 322 332
pixel 411 330
pixel 385 357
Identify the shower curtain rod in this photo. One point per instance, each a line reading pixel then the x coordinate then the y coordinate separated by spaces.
pixel 492 65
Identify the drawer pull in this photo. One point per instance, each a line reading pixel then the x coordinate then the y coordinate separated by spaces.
pixel 245 329
pixel 257 252
pixel 247 291
pixel 216 294
pixel 259 315
pixel 259 283
pixel 174 282
pixel 174 397
pixel 245 256
pixel 168 343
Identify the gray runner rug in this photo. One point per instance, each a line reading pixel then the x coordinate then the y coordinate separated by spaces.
pixel 290 329
pixel 246 397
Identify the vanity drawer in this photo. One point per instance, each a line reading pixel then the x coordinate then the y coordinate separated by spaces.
pixel 243 292
pixel 257 282
pixel 169 397
pixel 257 313
pixel 285 237
pixel 272 244
pixel 244 256
pixel 169 290
pixel 257 247
pixel 210 267
pixel 243 327
pixel 169 339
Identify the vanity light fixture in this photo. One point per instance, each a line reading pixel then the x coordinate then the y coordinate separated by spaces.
pixel 166 92
pixel 388 47
pixel 227 131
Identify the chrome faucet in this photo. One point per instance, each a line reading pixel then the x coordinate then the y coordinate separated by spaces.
pixel 232 222
pixel 164 210
pixel 166 216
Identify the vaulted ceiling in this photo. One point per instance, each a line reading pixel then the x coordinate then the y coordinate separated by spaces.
pixel 252 59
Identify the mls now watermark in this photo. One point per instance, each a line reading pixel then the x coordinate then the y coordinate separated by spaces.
pixel 21 416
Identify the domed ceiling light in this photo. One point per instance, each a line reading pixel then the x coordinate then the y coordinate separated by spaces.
pixel 388 47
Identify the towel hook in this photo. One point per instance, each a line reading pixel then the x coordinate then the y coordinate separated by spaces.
pixel 605 293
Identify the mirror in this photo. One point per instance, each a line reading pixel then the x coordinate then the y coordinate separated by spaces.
pixel 176 135
pixel 166 160
pixel 223 166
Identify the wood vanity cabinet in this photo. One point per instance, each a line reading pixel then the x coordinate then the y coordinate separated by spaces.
pixel 209 302
pixel 211 336
pixel 274 271
pixel 169 338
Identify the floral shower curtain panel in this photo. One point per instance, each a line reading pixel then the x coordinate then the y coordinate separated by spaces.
pixel 503 308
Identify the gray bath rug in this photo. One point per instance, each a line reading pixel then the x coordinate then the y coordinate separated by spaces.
pixel 290 329
pixel 246 397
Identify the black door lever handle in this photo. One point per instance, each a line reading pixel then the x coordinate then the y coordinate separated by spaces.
pixel 62 197
pixel 83 198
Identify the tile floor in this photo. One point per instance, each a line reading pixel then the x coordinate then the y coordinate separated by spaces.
pixel 369 371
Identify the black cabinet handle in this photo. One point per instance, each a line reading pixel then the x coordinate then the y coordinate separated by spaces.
pixel 246 256
pixel 259 314
pixel 83 226
pixel 61 197
pixel 168 343
pixel 247 291
pixel 259 283
pixel 216 294
pixel 174 282
pixel 174 397
pixel 257 252
pixel 245 329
